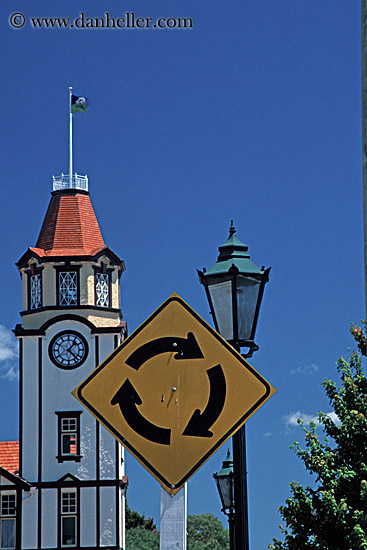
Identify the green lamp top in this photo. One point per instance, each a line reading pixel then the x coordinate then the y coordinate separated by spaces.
pixel 227 467
pixel 233 252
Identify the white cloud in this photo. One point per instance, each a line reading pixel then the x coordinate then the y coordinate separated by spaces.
pixel 8 354
pixel 11 374
pixel 306 369
pixel 291 419
pixel 8 344
pixel 267 434
pixel 334 417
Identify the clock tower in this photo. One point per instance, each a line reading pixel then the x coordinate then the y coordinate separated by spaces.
pixel 71 321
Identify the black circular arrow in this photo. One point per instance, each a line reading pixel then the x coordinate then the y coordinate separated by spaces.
pixel 199 423
pixel 127 399
pixel 186 348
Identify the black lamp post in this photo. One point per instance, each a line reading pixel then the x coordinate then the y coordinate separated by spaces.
pixel 225 485
pixel 234 287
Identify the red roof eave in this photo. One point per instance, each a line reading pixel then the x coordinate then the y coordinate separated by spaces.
pixel 60 255
pixel 9 456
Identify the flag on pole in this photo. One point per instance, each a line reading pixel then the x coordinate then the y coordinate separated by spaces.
pixel 78 104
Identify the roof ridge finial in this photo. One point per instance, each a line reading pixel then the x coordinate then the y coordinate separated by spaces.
pixel 232 229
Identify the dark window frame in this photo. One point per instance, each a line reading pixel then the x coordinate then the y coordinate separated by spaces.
pixel 63 515
pixel 31 273
pixel 67 268
pixel 61 415
pixel 105 271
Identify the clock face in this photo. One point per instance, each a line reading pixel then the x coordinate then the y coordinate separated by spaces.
pixel 68 349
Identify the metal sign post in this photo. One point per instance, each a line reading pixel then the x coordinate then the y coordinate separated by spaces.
pixel 173 520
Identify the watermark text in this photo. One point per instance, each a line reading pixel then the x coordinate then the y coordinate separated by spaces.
pixel 128 20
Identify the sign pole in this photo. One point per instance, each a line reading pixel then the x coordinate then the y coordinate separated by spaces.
pixel 241 531
pixel 173 520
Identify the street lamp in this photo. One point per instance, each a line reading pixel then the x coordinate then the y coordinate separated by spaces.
pixel 234 288
pixel 225 485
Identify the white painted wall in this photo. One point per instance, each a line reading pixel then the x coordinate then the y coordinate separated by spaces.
pixel 29 521
pixel 57 385
pixel 108 520
pixel 107 454
pixel 106 346
pixel 122 501
pixel 30 403
pixel 88 516
pixel 49 518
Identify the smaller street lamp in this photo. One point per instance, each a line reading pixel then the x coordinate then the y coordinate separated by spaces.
pixel 225 485
pixel 234 287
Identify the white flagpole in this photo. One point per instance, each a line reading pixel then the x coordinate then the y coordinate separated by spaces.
pixel 70 141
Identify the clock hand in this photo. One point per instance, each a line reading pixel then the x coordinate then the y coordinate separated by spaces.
pixel 69 350
pixel 72 353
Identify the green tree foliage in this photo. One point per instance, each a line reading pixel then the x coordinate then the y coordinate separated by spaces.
pixel 140 538
pixel 141 532
pixel 133 520
pixel 332 515
pixel 205 532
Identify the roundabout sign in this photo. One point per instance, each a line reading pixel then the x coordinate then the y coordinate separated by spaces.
pixel 173 392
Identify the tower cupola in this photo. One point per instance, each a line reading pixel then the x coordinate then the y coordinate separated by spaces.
pixel 71 267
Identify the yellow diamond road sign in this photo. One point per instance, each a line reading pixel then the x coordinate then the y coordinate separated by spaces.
pixel 173 392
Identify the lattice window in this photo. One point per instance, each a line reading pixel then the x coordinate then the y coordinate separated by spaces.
pixel 7 521
pixel 68 519
pixel 68 503
pixel 8 505
pixel 68 288
pixel 36 291
pixel 102 289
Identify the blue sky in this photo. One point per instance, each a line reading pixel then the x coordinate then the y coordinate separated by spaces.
pixel 253 115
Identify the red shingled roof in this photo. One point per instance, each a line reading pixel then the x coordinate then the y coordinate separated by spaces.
pixel 70 227
pixel 9 456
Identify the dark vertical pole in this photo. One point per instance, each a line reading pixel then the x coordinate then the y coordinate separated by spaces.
pixel 231 531
pixel 240 490
pixel 241 530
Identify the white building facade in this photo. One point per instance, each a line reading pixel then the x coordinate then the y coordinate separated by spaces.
pixel 72 468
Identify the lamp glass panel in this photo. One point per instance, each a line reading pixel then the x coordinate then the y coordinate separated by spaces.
pixel 221 295
pixel 247 295
pixel 226 491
